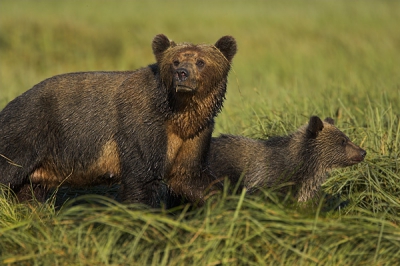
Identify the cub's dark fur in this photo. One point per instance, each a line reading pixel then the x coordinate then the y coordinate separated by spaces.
pixel 303 158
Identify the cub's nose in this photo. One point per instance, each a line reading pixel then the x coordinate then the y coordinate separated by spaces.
pixel 181 74
pixel 363 153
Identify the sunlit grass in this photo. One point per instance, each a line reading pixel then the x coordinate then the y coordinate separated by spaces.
pixel 295 59
pixel 230 229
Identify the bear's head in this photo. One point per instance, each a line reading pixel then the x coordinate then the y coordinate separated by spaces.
pixel 187 68
pixel 331 146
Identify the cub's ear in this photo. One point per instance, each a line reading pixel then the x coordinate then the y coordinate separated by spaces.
pixel 160 44
pixel 227 46
pixel 315 125
pixel 329 121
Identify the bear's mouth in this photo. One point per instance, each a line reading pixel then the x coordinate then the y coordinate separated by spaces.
pixel 356 160
pixel 183 88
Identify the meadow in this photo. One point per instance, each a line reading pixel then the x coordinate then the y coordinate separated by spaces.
pixel 295 59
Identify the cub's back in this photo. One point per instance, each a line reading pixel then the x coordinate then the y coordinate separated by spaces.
pixel 234 156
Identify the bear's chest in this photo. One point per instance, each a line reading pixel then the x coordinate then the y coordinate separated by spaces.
pixel 174 149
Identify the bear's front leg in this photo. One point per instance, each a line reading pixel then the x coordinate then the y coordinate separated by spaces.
pixel 141 177
pixel 142 191
pixel 188 174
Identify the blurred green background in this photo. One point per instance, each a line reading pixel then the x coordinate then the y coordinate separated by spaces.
pixel 296 58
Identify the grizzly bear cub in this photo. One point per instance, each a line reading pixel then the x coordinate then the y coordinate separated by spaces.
pixel 139 128
pixel 303 158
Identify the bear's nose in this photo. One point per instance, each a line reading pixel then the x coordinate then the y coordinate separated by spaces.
pixel 363 153
pixel 182 74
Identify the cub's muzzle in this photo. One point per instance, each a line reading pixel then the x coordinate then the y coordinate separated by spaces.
pixel 358 156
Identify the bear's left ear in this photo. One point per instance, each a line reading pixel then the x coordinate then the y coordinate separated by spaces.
pixel 315 125
pixel 227 46
pixel 160 44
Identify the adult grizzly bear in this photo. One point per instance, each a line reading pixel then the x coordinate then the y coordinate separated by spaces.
pixel 303 158
pixel 140 128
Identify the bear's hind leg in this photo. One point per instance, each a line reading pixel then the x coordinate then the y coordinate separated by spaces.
pixel 29 192
pixel 16 176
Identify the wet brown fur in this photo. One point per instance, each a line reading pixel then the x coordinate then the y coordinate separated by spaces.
pixel 104 170
pixel 304 158
pixel 187 145
pixel 141 128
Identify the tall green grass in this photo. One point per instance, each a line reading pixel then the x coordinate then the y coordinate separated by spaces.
pixel 234 230
pixel 295 59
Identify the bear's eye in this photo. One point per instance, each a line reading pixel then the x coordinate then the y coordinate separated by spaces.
pixel 343 142
pixel 176 63
pixel 200 63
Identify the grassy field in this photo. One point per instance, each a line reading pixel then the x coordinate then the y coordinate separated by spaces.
pixel 295 59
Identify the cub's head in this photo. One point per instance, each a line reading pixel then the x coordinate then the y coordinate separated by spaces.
pixel 187 68
pixel 331 146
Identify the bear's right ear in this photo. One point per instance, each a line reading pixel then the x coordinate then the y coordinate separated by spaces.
pixel 329 121
pixel 315 125
pixel 227 46
pixel 160 44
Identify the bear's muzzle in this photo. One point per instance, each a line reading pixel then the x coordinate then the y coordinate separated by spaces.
pixel 184 81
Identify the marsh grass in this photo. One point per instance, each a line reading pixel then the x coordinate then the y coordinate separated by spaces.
pixel 295 59
pixel 374 186
pixel 230 229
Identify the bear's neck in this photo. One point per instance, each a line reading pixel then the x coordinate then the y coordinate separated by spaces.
pixel 307 171
pixel 295 161
pixel 191 113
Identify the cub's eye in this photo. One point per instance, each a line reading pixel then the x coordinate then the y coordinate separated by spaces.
pixel 176 63
pixel 200 63
pixel 343 142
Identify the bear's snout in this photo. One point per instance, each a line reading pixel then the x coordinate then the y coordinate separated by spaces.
pixel 181 74
pixel 184 80
pixel 354 154
pixel 358 156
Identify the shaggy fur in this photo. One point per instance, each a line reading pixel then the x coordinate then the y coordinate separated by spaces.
pixel 303 158
pixel 140 128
